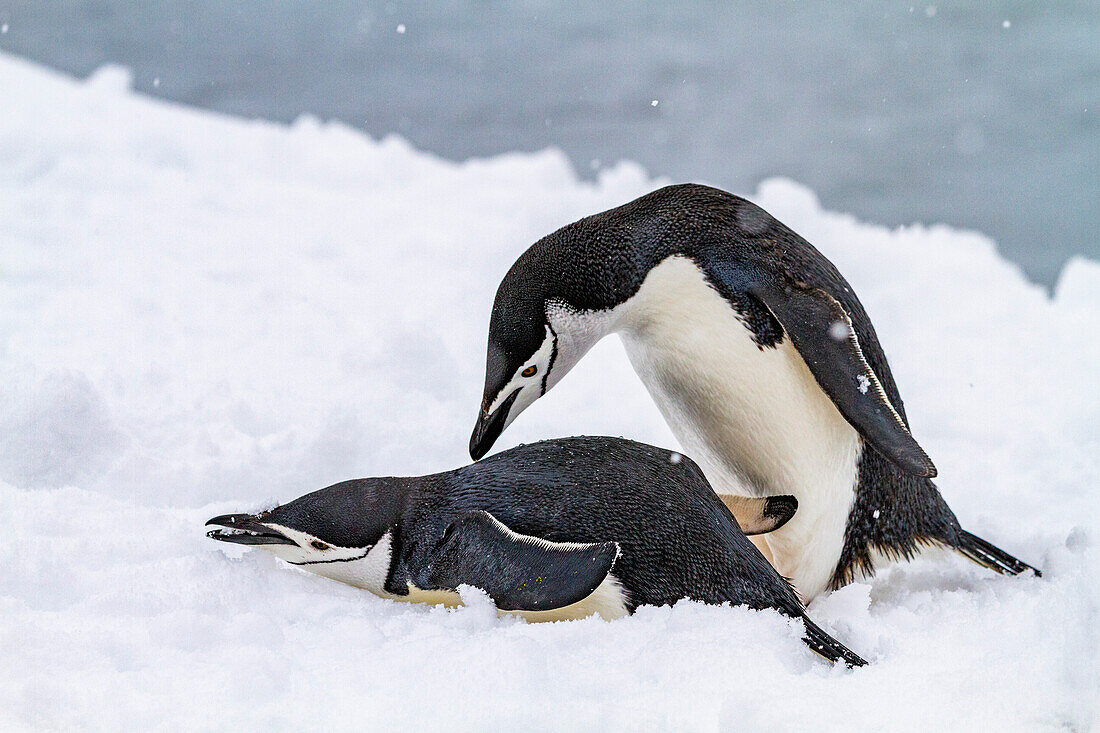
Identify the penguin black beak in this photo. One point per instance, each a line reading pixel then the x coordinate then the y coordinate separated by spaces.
pixel 245 529
pixel 489 427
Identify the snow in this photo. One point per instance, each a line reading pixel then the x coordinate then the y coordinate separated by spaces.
pixel 839 331
pixel 201 315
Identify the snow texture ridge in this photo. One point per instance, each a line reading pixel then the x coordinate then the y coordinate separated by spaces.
pixel 201 314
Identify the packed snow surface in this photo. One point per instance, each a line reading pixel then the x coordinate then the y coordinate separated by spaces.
pixel 201 315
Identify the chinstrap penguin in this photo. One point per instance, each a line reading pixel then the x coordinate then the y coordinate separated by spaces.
pixel 760 357
pixel 553 530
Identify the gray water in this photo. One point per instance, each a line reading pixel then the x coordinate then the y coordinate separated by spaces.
pixel 979 114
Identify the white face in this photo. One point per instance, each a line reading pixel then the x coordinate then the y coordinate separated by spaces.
pixel 569 336
pixel 310 549
pixel 363 567
pixel 531 379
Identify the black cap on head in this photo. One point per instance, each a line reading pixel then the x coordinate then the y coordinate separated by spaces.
pixel 517 326
pixel 349 514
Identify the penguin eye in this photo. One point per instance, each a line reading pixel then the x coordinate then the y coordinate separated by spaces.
pixel 318 545
pixel 529 371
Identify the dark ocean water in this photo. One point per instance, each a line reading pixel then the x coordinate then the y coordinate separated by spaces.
pixel 978 114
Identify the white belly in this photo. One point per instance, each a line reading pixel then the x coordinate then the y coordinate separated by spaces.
pixel 755 420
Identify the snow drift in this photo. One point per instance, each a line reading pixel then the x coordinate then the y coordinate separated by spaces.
pixel 201 314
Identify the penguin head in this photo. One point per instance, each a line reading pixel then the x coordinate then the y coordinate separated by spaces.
pixel 532 345
pixel 336 524
pixel 518 368
pixel 557 300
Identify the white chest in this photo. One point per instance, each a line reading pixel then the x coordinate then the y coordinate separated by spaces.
pixel 754 419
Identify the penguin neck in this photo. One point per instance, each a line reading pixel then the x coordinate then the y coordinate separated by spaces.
pixel 753 418
pixel 379 501
pixel 576 331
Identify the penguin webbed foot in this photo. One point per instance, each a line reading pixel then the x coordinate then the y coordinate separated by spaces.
pixel 760 515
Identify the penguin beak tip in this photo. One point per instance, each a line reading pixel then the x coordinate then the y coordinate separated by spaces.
pixel 489 427
pixel 479 446
pixel 245 529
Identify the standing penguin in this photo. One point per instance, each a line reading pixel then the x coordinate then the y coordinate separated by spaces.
pixel 757 353
pixel 560 529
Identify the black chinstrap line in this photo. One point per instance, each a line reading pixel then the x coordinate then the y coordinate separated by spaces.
pixel 329 562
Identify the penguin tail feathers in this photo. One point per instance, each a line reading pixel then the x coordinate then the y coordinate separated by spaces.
pixel 987 555
pixel 828 647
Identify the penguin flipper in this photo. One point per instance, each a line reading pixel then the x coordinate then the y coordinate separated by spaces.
pixel 822 332
pixel 519 572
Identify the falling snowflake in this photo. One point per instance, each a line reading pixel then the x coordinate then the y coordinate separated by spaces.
pixel 838 330
pixel 864 383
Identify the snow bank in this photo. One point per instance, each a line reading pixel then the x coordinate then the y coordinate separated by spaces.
pixel 201 314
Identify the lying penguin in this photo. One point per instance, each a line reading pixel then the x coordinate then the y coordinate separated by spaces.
pixel 759 356
pixel 554 530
